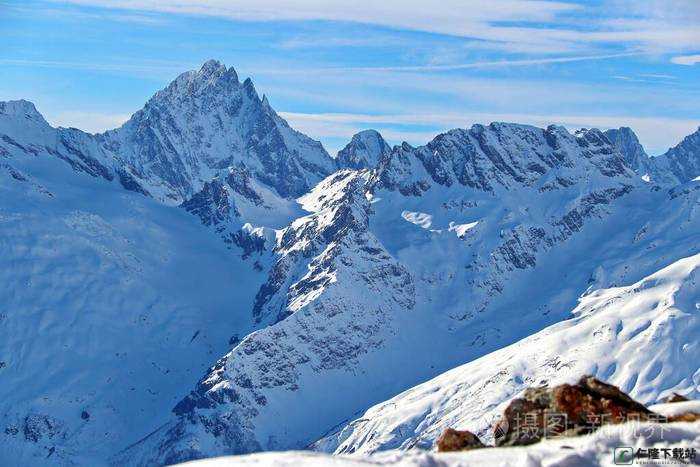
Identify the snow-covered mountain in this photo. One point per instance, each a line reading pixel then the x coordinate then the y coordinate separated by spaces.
pixel 364 151
pixel 207 121
pixel 640 337
pixel 440 255
pixel 681 163
pixel 627 143
pixel 256 294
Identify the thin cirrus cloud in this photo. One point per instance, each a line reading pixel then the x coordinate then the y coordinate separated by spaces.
pixel 455 17
pixel 687 60
pixel 496 63
pixel 516 26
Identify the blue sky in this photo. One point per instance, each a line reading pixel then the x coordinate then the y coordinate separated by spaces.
pixel 407 68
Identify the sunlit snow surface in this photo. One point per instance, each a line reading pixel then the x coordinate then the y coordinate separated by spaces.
pixel 642 338
pixel 591 450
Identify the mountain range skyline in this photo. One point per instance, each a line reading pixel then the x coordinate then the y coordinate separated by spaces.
pixel 406 71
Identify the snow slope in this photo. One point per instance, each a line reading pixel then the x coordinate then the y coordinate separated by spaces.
pixel 112 304
pixel 591 450
pixel 642 338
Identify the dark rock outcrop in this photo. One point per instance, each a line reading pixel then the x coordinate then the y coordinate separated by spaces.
pixel 676 398
pixel 566 410
pixel 455 440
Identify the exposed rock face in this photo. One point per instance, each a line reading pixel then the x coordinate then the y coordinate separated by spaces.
pixel 206 121
pixel 212 204
pixel 500 155
pixel 627 143
pixel 566 409
pixel 682 162
pixel 684 417
pixel 675 397
pixel 364 151
pixel 455 440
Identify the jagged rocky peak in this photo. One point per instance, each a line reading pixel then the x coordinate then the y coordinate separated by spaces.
pixel 627 143
pixel 212 76
pixel 682 162
pixel 21 109
pixel 364 151
pixel 206 121
pixel 498 155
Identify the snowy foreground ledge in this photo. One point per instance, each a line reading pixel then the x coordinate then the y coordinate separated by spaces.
pixel 594 449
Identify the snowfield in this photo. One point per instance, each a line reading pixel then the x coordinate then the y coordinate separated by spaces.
pixel 112 305
pixel 591 450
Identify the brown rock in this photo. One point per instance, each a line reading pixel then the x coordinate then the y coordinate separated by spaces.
pixel 566 409
pixel 684 417
pixel 676 398
pixel 455 440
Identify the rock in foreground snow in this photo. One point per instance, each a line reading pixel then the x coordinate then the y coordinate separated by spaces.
pixel 591 450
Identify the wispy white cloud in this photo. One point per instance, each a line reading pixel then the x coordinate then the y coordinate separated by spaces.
pixel 455 17
pixel 687 60
pixel 496 63
pixel 658 76
pixel 142 68
pixel 515 26
pixel 649 78
pixel 81 15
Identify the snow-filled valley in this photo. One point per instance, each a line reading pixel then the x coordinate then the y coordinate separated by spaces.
pixel 206 281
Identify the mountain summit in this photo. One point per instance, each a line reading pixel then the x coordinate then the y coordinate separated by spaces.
pixel 681 163
pixel 207 121
pixel 627 143
pixel 364 151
